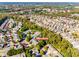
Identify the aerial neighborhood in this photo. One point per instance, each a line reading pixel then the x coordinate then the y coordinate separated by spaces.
pixel 39 30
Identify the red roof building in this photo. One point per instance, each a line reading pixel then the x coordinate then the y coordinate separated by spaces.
pixel 41 38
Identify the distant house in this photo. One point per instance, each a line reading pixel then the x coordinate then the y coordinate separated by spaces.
pixel 38 55
pixel 15 37
pixel 17 46
pixel 8 23
pixel 1 45
pixel 24 43
pixel 77 15
pixel 35 34
pixel 9 35
pixel 2 38
pixel 33 41
pixel 4 24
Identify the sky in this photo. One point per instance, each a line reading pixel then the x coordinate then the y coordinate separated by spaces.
pixel 39 0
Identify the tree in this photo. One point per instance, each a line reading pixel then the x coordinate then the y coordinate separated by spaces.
pixel 27 53
pixel 41 52
pixel 28 38
pixel 38 47
pixel 75 52
pixel 20 34
pixel 12 52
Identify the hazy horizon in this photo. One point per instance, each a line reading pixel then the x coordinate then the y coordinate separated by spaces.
pixel 39 3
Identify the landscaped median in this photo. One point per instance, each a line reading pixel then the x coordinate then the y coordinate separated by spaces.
pixel 12 52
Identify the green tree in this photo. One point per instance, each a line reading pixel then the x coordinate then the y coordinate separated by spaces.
pixel 41 52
